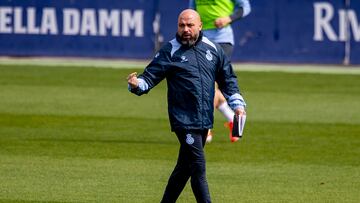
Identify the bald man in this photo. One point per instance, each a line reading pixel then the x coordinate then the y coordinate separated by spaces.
pixel 191 63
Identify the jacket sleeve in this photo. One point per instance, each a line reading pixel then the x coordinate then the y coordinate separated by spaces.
pixel 153 74
pixel 227 82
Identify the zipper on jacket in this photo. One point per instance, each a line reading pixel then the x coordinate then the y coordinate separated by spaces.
pixel 202 89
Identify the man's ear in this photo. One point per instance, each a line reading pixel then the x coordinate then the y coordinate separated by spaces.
pixel 200 27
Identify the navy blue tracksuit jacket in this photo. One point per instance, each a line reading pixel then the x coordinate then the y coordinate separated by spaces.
pixel 191 73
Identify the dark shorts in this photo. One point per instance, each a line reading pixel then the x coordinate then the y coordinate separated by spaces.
pixel 228 49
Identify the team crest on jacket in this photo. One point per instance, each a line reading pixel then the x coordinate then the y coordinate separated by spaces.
pixel 209 55
pixel 184 59
pixel 156 55
pixel 189 139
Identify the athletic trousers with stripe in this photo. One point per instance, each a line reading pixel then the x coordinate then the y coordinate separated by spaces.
pixel 190 164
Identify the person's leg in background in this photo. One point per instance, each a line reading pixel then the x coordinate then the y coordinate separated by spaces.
pixel 220 101
pixel 221 105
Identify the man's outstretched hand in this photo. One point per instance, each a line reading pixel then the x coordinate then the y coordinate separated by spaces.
pixel 132 80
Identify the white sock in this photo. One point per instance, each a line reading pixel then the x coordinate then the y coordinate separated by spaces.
pixel 225 109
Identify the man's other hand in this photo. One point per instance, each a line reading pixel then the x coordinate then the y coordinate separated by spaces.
pixel 240 111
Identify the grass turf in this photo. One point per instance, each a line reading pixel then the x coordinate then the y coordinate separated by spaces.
pixel 70 134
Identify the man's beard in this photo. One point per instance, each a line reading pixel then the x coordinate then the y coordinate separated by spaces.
pixel 189 42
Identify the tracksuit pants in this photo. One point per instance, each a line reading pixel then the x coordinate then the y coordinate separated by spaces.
pixel 190 164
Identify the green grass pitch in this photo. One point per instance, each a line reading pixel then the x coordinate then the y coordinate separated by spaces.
pixel 71 134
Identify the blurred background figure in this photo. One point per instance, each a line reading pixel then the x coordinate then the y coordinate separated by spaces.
pixel 217 16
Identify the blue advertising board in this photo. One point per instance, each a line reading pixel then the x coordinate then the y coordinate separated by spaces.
pixel 298 32
pixel 311 31
pixel 104 28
